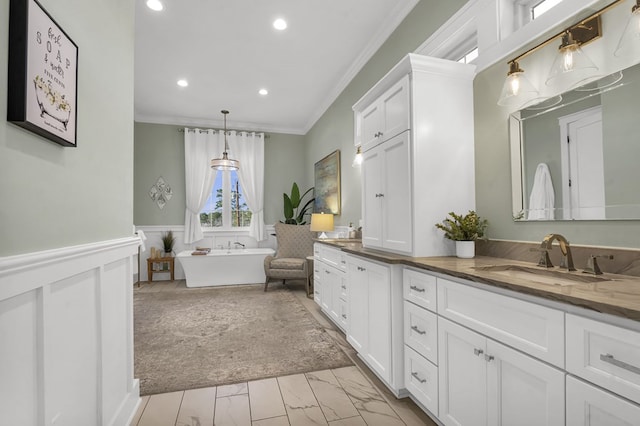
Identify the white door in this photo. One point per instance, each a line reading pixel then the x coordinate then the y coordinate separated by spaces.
pixel 395 109
pixel 372 169
pixel 371 126
pixel 334 280
pixel 583 192
pixel 378 353
pixel 462 372
pixel 396 196
pixel 522 390
pixel 357 306
pixel 588 405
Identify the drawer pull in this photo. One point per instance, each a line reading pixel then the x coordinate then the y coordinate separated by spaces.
pixel 611 360
pixel 478 352
pixel 415 375
pixel 488 358
pixel 343 262
pixel 417 330
pixel 418 289
pixel 344 316
pixel 344 287
pixel 326 272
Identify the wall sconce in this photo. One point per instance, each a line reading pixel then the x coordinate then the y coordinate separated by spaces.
pixel 571 67
pixel 357 160
pixel 630 39
pixel 517 89
pixel 321 222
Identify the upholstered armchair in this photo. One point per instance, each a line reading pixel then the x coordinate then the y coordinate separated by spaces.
pixel 295 243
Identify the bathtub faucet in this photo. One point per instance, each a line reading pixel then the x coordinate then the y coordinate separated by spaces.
pixel 239 244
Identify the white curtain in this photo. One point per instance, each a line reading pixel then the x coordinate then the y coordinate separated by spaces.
pixel 200 146
pixel 248 149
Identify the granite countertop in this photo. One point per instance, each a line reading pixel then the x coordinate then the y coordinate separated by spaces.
pixel 609 293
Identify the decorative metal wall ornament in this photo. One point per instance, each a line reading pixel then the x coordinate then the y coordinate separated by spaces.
pixel 160 193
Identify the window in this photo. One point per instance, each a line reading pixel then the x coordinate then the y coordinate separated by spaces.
pixel 226 207
pixel 542 7
pixel 469 56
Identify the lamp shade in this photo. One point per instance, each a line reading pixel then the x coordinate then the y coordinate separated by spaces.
pixel 517 89
pixel 629 43
pixel 321 222
pixel 571 67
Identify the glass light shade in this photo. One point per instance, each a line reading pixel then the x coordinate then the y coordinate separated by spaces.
pixel 357 160
pixel 225 163
pixel 321 222
pixel 517 89
pixel 572 66
pixel 630 40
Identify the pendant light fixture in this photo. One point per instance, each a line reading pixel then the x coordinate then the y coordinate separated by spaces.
pixel 630 39
pixel 225 163
pixel 571 65
pixel 517 89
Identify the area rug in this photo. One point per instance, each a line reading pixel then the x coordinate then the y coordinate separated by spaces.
pixel 188 338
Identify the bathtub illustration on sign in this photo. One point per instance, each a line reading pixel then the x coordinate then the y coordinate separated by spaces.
pixel 224 267
pixel 51 102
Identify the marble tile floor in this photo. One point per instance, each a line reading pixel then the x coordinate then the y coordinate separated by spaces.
pixel 341 397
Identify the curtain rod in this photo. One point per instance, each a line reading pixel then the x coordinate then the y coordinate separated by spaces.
pixel 181 130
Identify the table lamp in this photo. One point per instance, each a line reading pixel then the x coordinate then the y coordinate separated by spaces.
pixel 321 222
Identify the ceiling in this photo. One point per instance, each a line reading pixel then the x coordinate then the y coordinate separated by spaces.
pixel 227 51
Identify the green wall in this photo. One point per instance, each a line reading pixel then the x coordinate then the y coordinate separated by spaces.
pixel 159 151
pixel 493 180
pixel 334 130
pixel 51 196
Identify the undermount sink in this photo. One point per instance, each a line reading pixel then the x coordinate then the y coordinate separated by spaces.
pixel 540 275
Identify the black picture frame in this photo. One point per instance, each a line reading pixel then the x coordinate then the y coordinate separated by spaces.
pixel 42 94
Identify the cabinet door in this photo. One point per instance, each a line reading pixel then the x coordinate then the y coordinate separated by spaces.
pixel 462 375
pixel 591 406
pixel 395 109
pixel 335 280
pixel 396 194
pixel 421 379
pixel 357 306
pixel 522 390
pixel 378 353
pixel 372 164
pixel 317 283
pixel 371 125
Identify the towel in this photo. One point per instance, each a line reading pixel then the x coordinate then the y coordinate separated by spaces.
pixel 541 201
pixel 143 238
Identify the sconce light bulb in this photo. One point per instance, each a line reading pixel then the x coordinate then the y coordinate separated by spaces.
pixel 515 84
pixel 567 60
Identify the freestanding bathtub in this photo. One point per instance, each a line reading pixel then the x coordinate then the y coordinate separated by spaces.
pixel 224 267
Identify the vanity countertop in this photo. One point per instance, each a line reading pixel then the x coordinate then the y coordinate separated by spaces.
pixel 614 294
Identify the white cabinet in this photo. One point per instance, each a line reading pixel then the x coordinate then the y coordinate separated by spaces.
pixel 431 144
pixel 386 117
pixel 374 309
pixel 483 382
pixel 588 405
pixel 330 283
pixel 606 355
pixel 386 192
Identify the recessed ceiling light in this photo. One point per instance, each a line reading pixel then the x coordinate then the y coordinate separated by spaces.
pixel 183 83
pixel 280 24
pixel 154 5
pixel 263 92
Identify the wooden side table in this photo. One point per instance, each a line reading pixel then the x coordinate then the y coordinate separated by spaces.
pixel 161 260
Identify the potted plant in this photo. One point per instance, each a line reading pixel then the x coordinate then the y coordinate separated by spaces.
pixel 293 213
pixel 464 230
pixel 168 240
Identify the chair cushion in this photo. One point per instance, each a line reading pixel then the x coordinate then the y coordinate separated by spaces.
pixel 293 240
pixel 288 263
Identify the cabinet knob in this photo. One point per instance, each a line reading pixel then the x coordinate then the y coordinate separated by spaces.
pixel 489 358
pixel 478 352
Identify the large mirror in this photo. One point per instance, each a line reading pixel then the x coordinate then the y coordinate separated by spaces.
pixel 577 156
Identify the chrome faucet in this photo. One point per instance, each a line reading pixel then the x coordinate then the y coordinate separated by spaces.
pixel 238 244
pixel 567 258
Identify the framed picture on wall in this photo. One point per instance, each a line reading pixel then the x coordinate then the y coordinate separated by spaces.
pixel 327 184
pixel 43 74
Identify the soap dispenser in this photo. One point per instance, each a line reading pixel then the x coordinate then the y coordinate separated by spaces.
pixel 352 231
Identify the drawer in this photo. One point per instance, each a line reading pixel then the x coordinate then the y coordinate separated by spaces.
pixel 588 405
pixel 535 330
pixel 604 354
pixel 332 256
pixel 419 288
pixel 342 315
pixel 421 331
pixel 421 379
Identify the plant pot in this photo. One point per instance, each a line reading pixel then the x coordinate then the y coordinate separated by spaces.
pixel 465 249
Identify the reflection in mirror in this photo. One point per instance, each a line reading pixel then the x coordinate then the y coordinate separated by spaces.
pixel 577 156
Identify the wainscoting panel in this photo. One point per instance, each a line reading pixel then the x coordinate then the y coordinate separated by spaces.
pixel 66 333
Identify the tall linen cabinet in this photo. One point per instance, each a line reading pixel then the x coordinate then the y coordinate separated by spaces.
pixel 415 128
